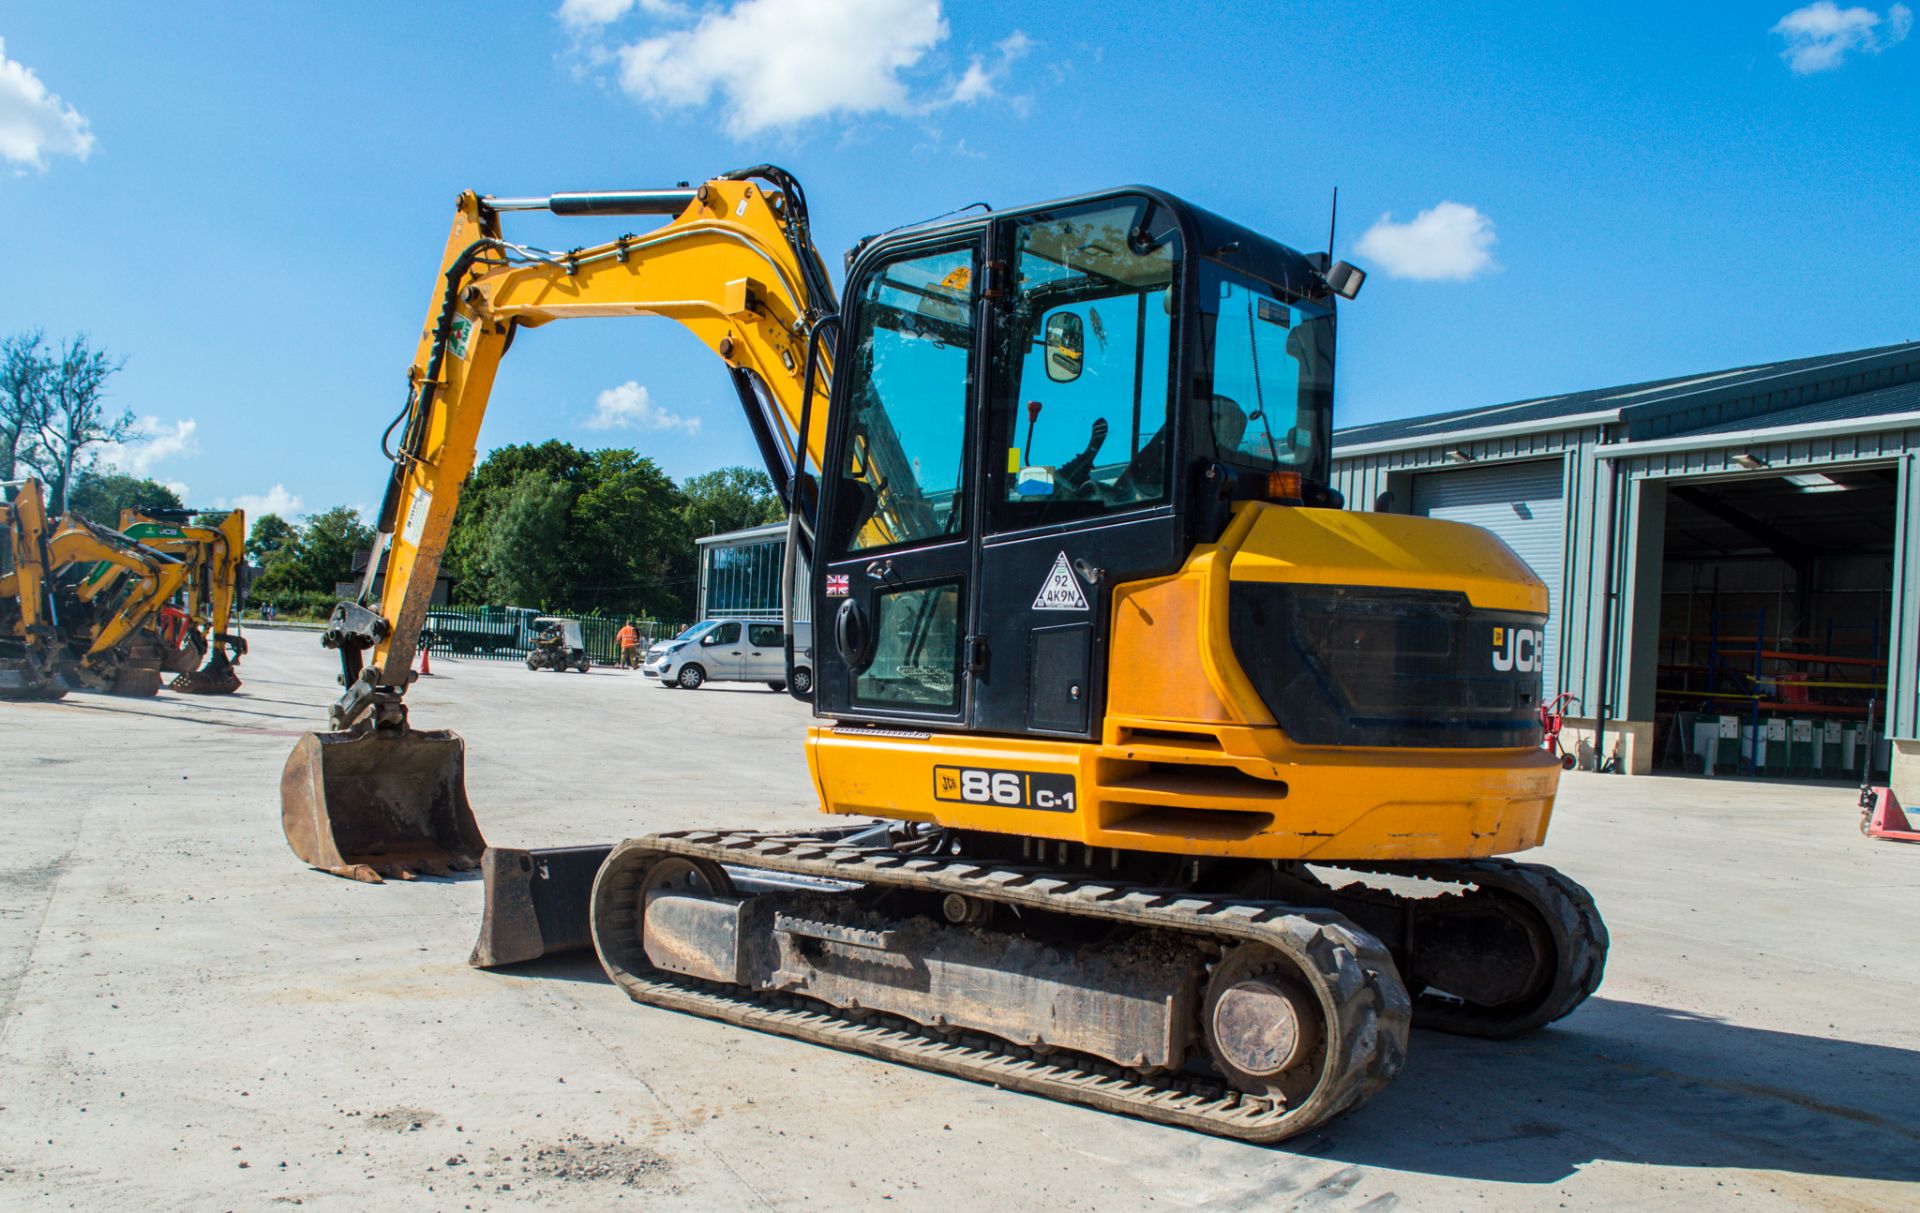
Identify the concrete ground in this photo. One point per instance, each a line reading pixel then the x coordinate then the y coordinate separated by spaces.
pixel 191 1020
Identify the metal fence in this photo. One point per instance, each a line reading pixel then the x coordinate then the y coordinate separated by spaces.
pixel 507 633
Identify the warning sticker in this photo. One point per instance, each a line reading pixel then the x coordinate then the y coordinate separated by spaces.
pixel 460 338
pixel 1061 590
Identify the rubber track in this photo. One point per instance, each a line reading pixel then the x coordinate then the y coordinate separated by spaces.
pixel 1353 970
pixel 1579 936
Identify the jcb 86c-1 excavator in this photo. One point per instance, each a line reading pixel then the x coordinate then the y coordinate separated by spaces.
pixel 1147 717
pixel 216 560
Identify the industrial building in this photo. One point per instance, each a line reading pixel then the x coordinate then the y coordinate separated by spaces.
pixel 1732 558
pixel 740 574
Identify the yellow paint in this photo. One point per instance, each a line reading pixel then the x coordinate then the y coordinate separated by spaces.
pixel 1190 760
pixel 214 557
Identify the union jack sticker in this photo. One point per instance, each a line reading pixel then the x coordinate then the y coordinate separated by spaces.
pixel 836 585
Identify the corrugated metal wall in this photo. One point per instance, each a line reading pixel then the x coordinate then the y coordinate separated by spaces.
pixel 1521 503
pixel 1363 477
pixel 1600 516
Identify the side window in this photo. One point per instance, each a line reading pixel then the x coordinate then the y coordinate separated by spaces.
pixel 903 457
pixel 916 652
pixel 726 633
pixel 765 636
pixel 1084 363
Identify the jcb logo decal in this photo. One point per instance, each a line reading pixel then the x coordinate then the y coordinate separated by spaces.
pixel 1522 649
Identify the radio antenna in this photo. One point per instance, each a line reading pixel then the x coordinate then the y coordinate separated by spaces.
pixel 1333 217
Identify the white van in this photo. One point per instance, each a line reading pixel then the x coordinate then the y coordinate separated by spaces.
pixel 732 650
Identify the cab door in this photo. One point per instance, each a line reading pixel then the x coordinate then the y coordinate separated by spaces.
pixel 1081 487
pixel 893 579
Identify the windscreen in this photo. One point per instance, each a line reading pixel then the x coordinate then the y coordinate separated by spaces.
pixel 1271 355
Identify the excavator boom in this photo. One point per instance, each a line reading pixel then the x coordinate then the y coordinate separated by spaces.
pixel 734 265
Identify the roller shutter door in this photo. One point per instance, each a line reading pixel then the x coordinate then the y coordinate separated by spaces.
pixel 1523 503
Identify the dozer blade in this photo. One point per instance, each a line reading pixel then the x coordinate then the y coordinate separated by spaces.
pixel 538 903
pixel 380 802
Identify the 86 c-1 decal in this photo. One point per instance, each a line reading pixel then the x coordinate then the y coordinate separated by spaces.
pixel 1043 790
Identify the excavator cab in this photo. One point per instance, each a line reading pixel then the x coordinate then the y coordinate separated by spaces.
pixel 1035 407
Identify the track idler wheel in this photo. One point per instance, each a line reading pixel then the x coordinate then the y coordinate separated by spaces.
pixel 1521 948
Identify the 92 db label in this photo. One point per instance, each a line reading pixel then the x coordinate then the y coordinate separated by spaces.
pixel 1043 790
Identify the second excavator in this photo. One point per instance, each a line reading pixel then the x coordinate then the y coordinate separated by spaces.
pixel 1191 784
pixel 213 546
pixel 80 603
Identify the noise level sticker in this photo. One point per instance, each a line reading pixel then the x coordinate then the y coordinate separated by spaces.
pixel 1061 590
pixel 1047 791
pixel 417 516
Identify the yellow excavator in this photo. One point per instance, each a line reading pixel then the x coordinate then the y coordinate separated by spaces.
pixel 31 647
pixel 81 603
pixel 1185 787
pixel 216 558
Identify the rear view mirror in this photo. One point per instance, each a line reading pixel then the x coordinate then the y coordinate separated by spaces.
pixel 1066 347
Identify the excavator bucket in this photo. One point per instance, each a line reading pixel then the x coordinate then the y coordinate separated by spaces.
pixel 19 680
pixel 217 677
pixel 380 802
pixel 538 903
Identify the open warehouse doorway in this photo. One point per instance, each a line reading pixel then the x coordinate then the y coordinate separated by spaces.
pixel 1775 608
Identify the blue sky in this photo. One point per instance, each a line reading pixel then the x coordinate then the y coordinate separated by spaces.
pixel 248 201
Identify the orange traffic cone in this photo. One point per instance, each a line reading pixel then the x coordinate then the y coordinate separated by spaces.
pixel 426 660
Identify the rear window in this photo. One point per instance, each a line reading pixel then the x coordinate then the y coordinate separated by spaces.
pixel 766 635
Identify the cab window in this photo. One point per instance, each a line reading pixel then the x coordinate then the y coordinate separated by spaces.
pixel 1270 355
pixel 903 458
pixel 1084 363
pixel 725 633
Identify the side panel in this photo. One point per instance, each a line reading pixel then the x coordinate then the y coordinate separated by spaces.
pixel 1033 581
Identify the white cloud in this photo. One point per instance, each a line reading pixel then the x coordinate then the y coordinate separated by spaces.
pixel 782 63
pixel 979 81
pixel 592 14
pixel 34 123
pixel 1450 241
pixel 631 406
pixel 1820 36
pixel 275 500
pixel 153 440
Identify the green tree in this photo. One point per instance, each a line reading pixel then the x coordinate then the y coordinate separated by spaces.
pixel 730 499
pixel 270 540
pixel 327 545
pixel 465 559
pixel 24 405
pixel 72 389
pixel 630 544
pixel 524 554
pixel 99 496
